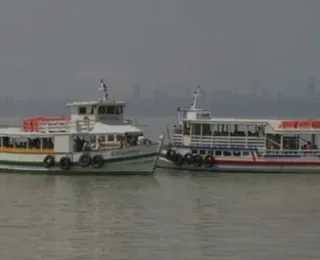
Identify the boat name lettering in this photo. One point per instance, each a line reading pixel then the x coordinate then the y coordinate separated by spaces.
pixel 121 153
pixel 203 115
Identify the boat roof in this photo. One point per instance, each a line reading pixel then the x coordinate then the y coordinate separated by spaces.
pixel 235 120
pixel 98 129
pixel 192 115
pixel 96 102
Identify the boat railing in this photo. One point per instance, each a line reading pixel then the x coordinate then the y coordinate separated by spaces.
pixel 245 141
pixel 287 152
pixel 66 126
pixel 177 139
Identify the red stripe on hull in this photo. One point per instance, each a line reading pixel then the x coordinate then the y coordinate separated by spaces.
pixel 271 162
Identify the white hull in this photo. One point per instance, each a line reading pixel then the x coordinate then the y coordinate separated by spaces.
pixel 133 160
pixel 237 166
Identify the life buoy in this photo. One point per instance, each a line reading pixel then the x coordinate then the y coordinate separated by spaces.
pixel 65 163
pixel 189 158
pixel 172 155
pixel 48 161
pixel 179 160
pixel 97 161
pixel 84 160
pixel 209 161
pixel 197 161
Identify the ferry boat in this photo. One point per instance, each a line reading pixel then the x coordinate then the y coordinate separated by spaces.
pixel 201 142
pixel 94 139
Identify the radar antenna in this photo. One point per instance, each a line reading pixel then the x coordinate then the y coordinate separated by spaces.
pixel 195 97
pixel 104 88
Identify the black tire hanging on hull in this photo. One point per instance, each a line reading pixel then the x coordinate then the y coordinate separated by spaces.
pixel 48 161
pixel 65 163
pixel 209 161
pixel 84 160
pixel 171 155
pixel 198 161
pixel 189 158
pixel 97 161
pixel 179 160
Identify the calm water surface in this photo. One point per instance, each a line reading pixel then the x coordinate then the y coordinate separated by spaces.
pixel 168 216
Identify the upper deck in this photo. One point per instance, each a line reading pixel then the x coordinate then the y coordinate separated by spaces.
pixel 195 115
pixel 99 116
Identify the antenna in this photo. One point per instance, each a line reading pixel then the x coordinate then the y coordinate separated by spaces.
pixel 195 97
pixel 104 88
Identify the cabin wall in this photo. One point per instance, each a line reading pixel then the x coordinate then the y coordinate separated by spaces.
pixel 18 157
pixel 62 144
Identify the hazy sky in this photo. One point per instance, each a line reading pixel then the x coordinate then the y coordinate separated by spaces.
pixel 54 47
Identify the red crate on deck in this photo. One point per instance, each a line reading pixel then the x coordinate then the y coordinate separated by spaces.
pixel 32 124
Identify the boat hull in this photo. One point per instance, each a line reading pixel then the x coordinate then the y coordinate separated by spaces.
pixel 239 165
pixel 142 166
pixel 128 161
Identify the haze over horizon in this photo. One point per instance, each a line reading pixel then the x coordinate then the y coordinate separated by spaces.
pixel 54 50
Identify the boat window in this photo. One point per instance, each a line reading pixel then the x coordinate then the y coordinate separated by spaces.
pixel 245 153
pixel 120 137
pixel 102 110
pixel 110 110
pixel 196 129
pixel 236 153
pixel 102 138
pixel 202 152
pixel 186 129
pixel 226 153
pixel 93 139
pixel 252 130
pixel 218 153
pixel 194 151
pixel 82 110
pixel 210 152
pixel 206 129
pixel 110 138
pixel 26 144
pixel 119 110
pixel 81 143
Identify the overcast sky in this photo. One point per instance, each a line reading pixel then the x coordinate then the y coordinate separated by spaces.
pixel 54 47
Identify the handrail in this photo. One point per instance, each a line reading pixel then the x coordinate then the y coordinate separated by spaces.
pixel 303 153
pixel 274 142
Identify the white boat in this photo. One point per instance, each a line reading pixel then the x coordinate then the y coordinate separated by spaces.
pixel 205 143
pixel 94 139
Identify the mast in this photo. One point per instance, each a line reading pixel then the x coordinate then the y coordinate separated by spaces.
pixel 195 97
pixel 104 89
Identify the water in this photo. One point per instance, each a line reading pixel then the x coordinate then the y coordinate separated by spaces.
pixel 166 216
pixel 169 216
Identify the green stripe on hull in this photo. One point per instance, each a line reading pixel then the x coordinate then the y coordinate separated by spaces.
pixel 40 164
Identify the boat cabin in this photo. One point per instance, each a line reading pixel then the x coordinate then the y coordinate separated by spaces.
pixel 99 123
pixel 198 130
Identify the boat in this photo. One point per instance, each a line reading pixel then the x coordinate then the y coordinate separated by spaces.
pixel 201 142
pixel 94 139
